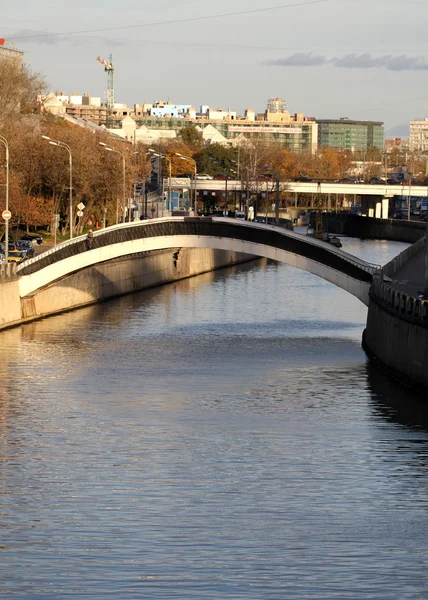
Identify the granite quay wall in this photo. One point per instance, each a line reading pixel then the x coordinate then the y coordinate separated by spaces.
pixel 110 279
pixel 396 334
pixel 370 228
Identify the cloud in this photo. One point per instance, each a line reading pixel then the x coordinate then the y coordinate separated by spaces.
pixel 353 61
pixel 300 59
pixel 29 36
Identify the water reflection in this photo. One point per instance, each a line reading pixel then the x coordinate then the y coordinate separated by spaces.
pixel 222 437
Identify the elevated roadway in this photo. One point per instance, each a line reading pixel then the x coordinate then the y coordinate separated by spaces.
pixel 349 189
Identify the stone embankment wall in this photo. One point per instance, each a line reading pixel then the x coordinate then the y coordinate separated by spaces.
pixel 373 229
pixel 396 334
pixel 109 279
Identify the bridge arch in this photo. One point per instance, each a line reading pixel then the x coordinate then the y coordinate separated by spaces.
pixel 317 257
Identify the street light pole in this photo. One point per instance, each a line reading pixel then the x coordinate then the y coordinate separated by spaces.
pixel 70 162
pixel 123 182
pixel 195 172
pixel 4 141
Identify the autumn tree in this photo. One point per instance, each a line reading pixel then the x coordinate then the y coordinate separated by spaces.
pixel 19 90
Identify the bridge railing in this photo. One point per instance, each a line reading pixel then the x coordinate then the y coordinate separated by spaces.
pixel 404 306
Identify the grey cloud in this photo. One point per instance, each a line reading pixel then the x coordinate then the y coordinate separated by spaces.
pixel 28 36
pixel 353 61
pixel 300 59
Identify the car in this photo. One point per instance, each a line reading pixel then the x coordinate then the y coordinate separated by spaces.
pixel 377 180
pixel 393 181
pixel 223 177
pixel 396 215
pixel 265 177
pixel 30 238
pixel 303 179
pixel 26 246
pixel 347 180
pixel 15 255
pixel 204 176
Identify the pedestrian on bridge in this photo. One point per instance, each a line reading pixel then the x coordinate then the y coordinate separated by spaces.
pixel 89 240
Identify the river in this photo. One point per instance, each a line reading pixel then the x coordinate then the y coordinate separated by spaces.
pixel 219 438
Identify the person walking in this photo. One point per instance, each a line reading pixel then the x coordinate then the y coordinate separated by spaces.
pixel 89 240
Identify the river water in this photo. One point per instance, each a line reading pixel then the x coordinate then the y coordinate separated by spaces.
pixel 218 438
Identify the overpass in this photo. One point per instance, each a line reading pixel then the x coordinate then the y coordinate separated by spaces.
pixel 349 189
pixel 375 197
pixel 230 235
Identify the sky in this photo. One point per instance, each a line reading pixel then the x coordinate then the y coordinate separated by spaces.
pixel 362 59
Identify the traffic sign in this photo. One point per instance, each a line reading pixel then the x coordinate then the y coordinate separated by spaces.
pixel 80 206
pixel 80 213
pixel 6 214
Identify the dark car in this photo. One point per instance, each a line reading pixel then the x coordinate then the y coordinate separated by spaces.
pixel 347 180
pixel 26 246
pixel 29 237
pixel 393 181
pixel 222 177
pixel 303 179
pixel 378 180
pixel 396 215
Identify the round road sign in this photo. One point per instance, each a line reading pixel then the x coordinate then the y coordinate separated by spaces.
pixel 6 214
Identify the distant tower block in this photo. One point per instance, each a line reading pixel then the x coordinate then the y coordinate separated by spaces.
pixel 276 105
pixel 108 67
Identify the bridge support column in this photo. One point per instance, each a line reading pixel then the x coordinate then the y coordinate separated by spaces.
pixel 329 202
pixel 378 213
pixel 385 208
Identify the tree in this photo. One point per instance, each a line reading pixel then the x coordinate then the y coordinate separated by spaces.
pixel 19 89
pixel 190 136
pixel 217 158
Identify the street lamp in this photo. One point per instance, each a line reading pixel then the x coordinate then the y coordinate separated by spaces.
pixel 195 205
pixel 66 147
pixel 168 158
pixel 123 182
pixel 4 141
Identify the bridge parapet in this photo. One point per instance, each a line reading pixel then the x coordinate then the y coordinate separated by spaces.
pixel 8 271
pixel 404 306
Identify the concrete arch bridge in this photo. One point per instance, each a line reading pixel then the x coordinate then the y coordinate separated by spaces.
pixel 69 275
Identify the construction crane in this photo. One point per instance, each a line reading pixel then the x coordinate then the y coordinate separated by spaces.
pixel 108 67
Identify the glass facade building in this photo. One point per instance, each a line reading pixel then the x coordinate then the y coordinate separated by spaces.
pixel 345 134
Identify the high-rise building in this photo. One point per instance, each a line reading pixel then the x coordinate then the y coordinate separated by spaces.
pixel 418 140
pixel 276 105
pixel 346 134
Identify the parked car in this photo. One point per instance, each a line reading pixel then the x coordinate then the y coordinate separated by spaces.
pixel 347 180
pixel 204 176
pixel 30 237
pixel 26 246
pixel 377 180
pixel 265 177
pixel 16 255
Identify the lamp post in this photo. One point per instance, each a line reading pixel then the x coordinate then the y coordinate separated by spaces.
pixel 66 147
pixel 123 182
pixel 195 201
pixel 4 141
pixel 168 158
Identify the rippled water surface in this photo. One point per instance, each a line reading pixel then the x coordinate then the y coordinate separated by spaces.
pixel 218 438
